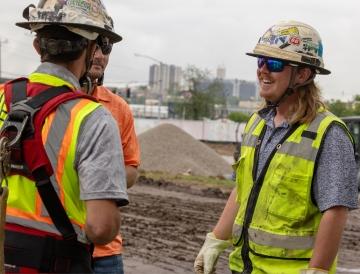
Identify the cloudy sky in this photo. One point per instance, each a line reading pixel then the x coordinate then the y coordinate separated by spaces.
pixel 204 33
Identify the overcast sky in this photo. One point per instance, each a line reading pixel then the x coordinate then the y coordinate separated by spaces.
pixel 207 34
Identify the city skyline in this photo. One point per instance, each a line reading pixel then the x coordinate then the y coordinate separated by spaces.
pixel 204 33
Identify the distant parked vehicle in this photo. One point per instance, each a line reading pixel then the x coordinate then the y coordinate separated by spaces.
pixel 353 123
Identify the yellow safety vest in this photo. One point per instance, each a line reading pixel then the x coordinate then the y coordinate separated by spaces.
pixel 60 135
pixel 275 227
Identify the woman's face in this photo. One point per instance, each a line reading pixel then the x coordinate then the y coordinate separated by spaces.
pixel 273 84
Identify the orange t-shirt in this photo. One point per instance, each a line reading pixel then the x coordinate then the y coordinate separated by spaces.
pixel 125 120
pixel 121 111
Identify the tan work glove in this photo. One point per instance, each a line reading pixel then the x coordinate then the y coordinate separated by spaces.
pixel 313 271
pixel 209 253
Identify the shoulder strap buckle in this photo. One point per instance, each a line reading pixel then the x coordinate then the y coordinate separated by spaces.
pixel 14 126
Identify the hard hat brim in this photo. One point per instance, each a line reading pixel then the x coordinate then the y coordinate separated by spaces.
pixel 113 37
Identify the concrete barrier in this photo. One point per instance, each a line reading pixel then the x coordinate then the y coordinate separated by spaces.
pixel 223 130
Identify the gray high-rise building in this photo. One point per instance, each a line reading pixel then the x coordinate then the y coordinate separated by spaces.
pixel 165 78
pixel 159 78
pixel 154 75
pixel 221 72
pixel 175 78
pixel 247 90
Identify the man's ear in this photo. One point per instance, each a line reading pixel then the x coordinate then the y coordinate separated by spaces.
pixel 303 74
pixel 36 45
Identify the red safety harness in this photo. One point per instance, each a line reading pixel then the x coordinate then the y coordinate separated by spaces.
pixel 28 106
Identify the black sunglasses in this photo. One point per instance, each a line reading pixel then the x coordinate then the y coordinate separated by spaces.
pixel 104 44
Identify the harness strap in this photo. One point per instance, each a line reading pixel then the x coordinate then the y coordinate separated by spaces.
pixel 20 91
pixel 44 253
pixel 45 96
pixel 53 204
pixel 23 107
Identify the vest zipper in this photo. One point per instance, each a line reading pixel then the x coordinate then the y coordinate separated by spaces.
pixel 254 195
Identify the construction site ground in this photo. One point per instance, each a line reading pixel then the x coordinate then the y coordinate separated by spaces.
pixel 166 222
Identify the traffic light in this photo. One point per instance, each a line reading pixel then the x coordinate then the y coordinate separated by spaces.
pixel 128 92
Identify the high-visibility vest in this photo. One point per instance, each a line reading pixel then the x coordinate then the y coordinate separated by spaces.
pixel 275 227
pixel 60 134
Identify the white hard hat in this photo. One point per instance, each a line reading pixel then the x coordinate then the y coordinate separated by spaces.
pixel 292 41
pixel 87 18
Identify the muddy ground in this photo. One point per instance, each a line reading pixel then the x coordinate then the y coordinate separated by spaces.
pixel 165 224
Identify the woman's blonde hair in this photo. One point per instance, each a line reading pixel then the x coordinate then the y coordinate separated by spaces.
pixel 307 105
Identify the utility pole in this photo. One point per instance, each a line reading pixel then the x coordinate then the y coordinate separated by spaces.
pixel 2 41
pixel 161 82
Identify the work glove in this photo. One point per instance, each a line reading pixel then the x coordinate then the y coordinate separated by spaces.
pixel 313 271
pixel 209 253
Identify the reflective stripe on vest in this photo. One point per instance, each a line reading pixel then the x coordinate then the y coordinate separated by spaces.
pixel 261 237
pixel 60 134
pixel 285 221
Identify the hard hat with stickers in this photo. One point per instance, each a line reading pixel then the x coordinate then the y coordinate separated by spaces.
pixel 292 41
pixel 87 18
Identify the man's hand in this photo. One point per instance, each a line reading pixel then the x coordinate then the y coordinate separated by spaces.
pixel 131 175
pixel 209 253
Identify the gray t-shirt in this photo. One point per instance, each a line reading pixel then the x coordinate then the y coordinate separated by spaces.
pixel 335 182
pixel 99 159
pixel 99 156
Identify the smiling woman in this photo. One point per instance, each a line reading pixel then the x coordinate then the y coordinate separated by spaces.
pixel 296 157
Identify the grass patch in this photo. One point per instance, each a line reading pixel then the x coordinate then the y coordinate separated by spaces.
pixel 189 179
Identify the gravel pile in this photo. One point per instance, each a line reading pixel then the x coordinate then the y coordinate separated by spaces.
pixel 168 148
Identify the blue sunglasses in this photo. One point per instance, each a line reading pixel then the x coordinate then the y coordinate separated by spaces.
pixel 273 65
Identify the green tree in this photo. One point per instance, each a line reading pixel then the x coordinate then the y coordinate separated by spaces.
pixel 356 109
pixel 202 95
pixel 340 108
pixel 233 100
pixel 238 117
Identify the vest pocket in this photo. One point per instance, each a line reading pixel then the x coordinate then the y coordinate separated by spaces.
pixel 237 163
pixel 289 197
pixel 241 177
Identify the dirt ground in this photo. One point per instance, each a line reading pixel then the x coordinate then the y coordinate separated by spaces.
pixel 165 224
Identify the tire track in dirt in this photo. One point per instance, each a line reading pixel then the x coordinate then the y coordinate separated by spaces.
pixel 166 228
pixel 165 224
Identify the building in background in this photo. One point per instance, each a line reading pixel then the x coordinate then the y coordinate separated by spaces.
pixel 245 90
pixel 221 72
pixel 175 79
pixel 167 85
pixel 165 79
pixel 248 90
pixel 154 75
pixel 159 78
